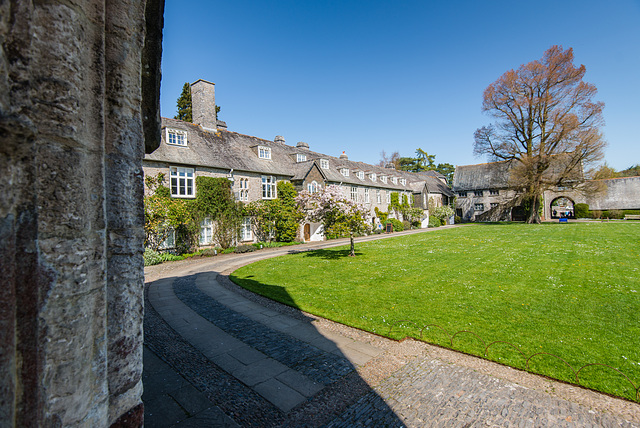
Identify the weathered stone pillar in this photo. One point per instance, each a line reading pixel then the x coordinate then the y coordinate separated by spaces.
pixel 71 144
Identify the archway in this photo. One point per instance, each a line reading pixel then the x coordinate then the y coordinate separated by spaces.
pixel 562 207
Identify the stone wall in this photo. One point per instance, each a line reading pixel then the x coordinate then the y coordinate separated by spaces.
pixel 76 78
pixel 617 194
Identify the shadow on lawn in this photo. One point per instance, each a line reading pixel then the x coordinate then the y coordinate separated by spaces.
pixel 329 254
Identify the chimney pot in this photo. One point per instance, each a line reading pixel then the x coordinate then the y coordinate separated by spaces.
pixel 344 156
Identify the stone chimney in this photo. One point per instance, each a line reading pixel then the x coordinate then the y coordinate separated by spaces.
pixel 279 139
pixel 344 156
pixel 203 104
pixel 302 145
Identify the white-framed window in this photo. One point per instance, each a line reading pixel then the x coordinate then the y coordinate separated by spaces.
pixel 206 231
pixel 245 232
pixel 264 152
pixel 268 187
pixel 312 187
pixel 324 164
pixel 378 198
pixel 300 157
pixel 388 197
pixel 175 137
pixel 366 195
pixel 354 193
pixel 394 180
pixel 478 207
pixel 182 182
pixel 169 242
pixel 360 175
pixel 494 192
pixel 478 193
pixel 243 194
pixel 373 177
pixel 383 178
pixel 462 194
pixel 344 171
pixel 403 181
pixel 494 204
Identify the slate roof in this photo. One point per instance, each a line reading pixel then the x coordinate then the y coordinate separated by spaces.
pixel 225 149
pixel 493 175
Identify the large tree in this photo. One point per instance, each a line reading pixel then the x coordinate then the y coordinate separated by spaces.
pixel 546 125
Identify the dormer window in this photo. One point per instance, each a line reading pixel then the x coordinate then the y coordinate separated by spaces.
pixel 383 178
pixel 264 152
pixel 360 175
pixel 176 137
pixel 301 158
pixel 324 164
pixel 373 177
pixel 394 180
pixel 344 171
pixel 403 181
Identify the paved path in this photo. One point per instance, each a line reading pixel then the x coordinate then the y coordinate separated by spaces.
pixel 216 355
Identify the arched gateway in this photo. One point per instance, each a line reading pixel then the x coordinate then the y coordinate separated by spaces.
pixel 562 207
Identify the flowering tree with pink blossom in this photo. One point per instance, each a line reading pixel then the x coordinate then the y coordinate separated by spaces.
pixel 333 209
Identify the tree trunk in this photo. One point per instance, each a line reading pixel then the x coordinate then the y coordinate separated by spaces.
pixel 534 214
pixel 353 249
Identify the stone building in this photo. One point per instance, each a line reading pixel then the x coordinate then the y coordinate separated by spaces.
pixel 482 187
pixel 79 91
pixel 254 166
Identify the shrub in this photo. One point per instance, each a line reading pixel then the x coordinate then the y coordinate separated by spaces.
pixel 457 219
pixel 617 214
pixel 581 210
pixel 397 224
pixel 406 225
pixel 434 221
pixel 244 248
pixel 152 257
pixel 209 252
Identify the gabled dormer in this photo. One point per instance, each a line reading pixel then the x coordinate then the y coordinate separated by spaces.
pixel 175 137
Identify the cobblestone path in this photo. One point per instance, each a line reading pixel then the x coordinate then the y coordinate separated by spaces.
pixel 217 355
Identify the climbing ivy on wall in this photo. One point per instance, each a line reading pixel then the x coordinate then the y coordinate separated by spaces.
pixel 165 215
pixel 277 219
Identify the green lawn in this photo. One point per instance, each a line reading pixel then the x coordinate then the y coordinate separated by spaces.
pixel 571 290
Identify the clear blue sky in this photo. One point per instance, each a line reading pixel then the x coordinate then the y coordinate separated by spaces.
pixel 366 76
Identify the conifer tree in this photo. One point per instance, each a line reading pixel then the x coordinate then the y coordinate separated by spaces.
pixel 184 104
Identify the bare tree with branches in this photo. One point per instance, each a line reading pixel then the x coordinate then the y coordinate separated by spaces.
pixel 546 124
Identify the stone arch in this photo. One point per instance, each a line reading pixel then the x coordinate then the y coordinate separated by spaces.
pixel 562 207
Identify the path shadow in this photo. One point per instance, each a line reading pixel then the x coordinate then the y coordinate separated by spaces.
pixel 320 367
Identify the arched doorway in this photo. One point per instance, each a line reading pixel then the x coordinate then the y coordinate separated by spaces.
pixel 562 207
